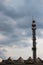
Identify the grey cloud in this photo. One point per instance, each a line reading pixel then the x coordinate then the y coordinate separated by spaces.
pixel 23 17
pixel 2 55
pixel 26 10
pixel 24 22
pixel 13 34
pixel 5 27
pixel 10 12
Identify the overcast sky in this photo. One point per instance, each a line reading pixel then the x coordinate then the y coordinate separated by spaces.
pixel 15 28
